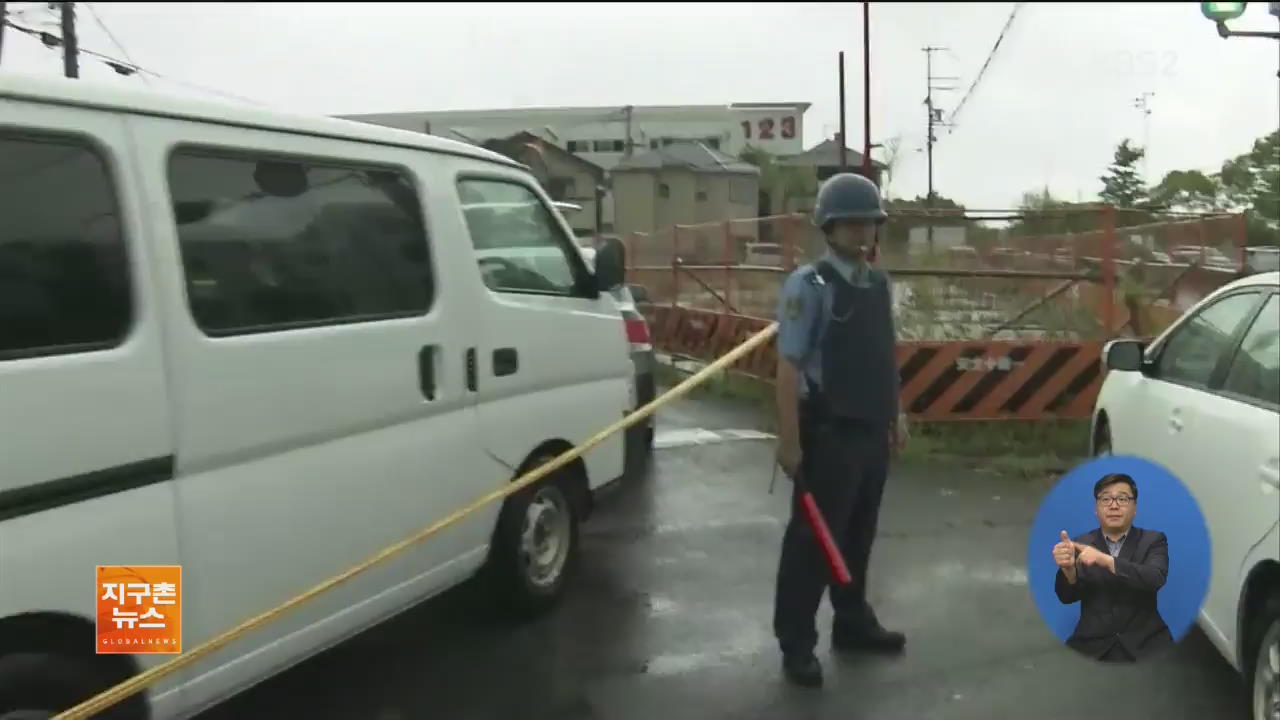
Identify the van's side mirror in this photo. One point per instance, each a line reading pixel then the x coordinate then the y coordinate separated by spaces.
pixel 611 264
pixel 1123 355
pixel 639 293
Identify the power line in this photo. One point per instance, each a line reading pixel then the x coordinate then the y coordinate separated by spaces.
pixel 111 36
pixel 990 56
pixel 122 67
pixel 53 41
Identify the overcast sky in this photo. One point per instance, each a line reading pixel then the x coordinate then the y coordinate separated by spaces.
pixel 1055 100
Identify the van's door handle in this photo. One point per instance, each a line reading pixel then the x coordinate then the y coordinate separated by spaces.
pixel 1270 473
pixel 427 371
pixel 1175 421
pixel 471 369
pixel 505 362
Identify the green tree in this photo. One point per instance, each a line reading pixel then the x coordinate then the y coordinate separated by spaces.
pixel 900 224
pixel 1044 214
pixel 1252 181
pixel 1122 186
pixel 781 183
pixel 1188 191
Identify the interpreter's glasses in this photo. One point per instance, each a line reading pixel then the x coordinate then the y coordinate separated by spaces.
pixel 1122 501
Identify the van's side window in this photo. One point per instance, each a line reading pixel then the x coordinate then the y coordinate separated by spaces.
pixel 272 243
pixel 64 270
pixel 519 245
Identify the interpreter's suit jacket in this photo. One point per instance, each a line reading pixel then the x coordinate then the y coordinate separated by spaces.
pixel 1120 608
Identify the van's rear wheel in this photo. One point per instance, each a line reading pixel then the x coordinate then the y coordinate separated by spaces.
pixel 38 686
pixel 535 545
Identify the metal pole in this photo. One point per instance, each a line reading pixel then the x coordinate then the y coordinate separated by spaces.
pixel 1143 103
pixel 70 49
pixel 844 163
pixel 866 89
pixel 1108 268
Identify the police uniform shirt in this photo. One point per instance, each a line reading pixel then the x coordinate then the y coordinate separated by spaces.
pixel 804 311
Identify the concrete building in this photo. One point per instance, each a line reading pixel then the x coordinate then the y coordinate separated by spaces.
pixel 599 135
pixel 946 236
pixel 687 183
pixel 793 185
pixel 824 158
pixel 565 177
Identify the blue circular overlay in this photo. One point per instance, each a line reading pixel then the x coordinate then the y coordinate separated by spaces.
pixel 1164 504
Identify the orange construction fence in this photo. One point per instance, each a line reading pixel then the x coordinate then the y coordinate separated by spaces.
pixel 1068 274
pixel 940 381
pixel 1001 315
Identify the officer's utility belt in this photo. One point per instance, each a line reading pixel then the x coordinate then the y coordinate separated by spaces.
pixel 815 410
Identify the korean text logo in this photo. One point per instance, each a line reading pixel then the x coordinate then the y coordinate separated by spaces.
pixel 139 609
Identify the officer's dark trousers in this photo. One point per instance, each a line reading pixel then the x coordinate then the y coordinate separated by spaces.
pixel 844 465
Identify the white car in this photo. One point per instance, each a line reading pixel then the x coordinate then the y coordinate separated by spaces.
pixel 1204 401
pixel 260 347
pixel 643 354
pixel 1210 257
pixel 763 255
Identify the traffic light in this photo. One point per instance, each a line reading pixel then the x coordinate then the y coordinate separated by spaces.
pixel 1222 11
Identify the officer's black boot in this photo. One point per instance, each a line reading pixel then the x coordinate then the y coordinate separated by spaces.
pixel 871 637
pixel 802 669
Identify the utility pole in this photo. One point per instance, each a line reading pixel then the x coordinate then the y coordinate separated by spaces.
pixel 1143 103
pixel 629 112
pixel 70 49
pixel 3 22
pixel 933 119
pixel 866 90
pixel 844 162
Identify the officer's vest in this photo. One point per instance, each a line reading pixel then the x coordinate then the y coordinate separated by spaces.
pixel 859 366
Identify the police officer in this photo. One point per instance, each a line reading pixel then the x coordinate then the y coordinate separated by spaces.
pixel 839 423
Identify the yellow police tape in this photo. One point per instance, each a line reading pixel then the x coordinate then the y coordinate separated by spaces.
pixel 145 679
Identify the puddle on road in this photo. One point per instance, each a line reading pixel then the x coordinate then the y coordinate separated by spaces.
pixel 636 532
pixel 660 606
pixel 689 556
pixel 687 437
pixel 682 663
pixel 930 578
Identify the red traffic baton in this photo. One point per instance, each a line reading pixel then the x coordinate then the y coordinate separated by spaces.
pixel 830 550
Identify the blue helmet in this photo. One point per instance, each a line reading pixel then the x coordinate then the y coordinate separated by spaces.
pixel 848 196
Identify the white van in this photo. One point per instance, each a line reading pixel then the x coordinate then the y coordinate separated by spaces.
pixel 261 347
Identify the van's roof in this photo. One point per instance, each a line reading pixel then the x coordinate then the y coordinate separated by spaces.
pixel 112 96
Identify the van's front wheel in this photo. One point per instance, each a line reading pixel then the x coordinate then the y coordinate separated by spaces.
pixel 545 538
pixel 535 546
pixel 1265 680
pixel 37 686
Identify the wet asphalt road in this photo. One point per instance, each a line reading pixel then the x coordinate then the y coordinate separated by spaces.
pixel 669 618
